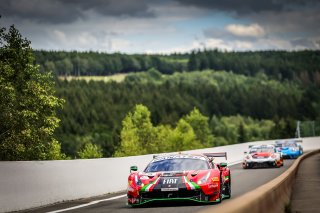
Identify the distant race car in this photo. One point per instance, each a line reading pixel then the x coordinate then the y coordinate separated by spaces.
pixel 262 156
pixel 180 177
pixel 289 148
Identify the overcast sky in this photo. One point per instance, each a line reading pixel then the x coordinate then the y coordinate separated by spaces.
pixel 165 26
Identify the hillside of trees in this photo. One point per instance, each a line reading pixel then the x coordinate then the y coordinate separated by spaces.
pixel 165 103
pixel 95 63
pixel 140 136
pixel 238 108
pixel 256 95
pixel 301 66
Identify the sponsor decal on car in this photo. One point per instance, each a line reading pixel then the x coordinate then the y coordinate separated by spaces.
pixel 214 179
pixel 170 181
pixel 169 189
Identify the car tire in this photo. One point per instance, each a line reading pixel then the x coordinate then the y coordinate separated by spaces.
pixel 244 166
pixel 229 187
pixel 220 194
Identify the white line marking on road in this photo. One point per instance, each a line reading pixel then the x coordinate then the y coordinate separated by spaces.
pixel 88 204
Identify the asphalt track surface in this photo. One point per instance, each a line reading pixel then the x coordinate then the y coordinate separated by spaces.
pixel 242 181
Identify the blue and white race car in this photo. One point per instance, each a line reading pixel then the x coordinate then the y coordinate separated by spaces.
pixel 289 148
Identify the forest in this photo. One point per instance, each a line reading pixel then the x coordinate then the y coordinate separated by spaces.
pixel 164 103
pixel 204 98
pixel 238 108
pixel 302 66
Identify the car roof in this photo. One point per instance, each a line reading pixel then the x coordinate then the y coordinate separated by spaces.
pixel 262 146
pixel 286 141
pixel 179 156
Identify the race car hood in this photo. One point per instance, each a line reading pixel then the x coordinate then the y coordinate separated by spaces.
pixel 261 154
pixel 192 173
pixel 174 177
pixel 172 181
pixel 289 149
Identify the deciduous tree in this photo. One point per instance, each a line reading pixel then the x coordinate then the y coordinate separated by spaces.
pixel 27 103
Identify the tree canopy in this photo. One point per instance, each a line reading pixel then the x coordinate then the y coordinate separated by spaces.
pixel 301 66
pixel 238 108
pixel 27 103
pixel 140 136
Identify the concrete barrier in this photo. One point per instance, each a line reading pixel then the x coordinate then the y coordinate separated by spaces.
pixel 270 197
pixel 29 184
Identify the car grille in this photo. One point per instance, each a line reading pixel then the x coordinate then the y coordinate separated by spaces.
pixel 259 157
pixel 263 165
pixel 177 194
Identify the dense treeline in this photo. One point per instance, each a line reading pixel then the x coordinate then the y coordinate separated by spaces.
pixel 94 110
pixel 95 63
pixel 259 96
pixel 139 136
pixel 302 66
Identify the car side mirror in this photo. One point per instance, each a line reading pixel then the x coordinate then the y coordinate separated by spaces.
pixel 223 164
pixel 133 168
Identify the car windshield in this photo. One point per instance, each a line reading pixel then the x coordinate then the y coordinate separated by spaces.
pixel 253 150
pixel 177 164
pixel 259 149
pixel 289 145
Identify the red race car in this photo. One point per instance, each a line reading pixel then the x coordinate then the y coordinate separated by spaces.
pixel 183 177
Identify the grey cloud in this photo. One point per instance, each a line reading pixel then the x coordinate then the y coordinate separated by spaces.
pixel 40 11
pixel 138 8
pixel 290 24
pixel 249 6
pixel 304 43
pixel 67 11
pixel 289 19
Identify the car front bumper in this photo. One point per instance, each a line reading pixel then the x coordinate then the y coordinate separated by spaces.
pixel 181 195
pixel 260 163
pixel 291 154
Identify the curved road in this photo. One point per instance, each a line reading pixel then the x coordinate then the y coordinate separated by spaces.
pixel 242 181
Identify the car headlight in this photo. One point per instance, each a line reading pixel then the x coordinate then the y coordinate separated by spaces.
pixel 137 180
pixel 204 179
pixel 294 149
